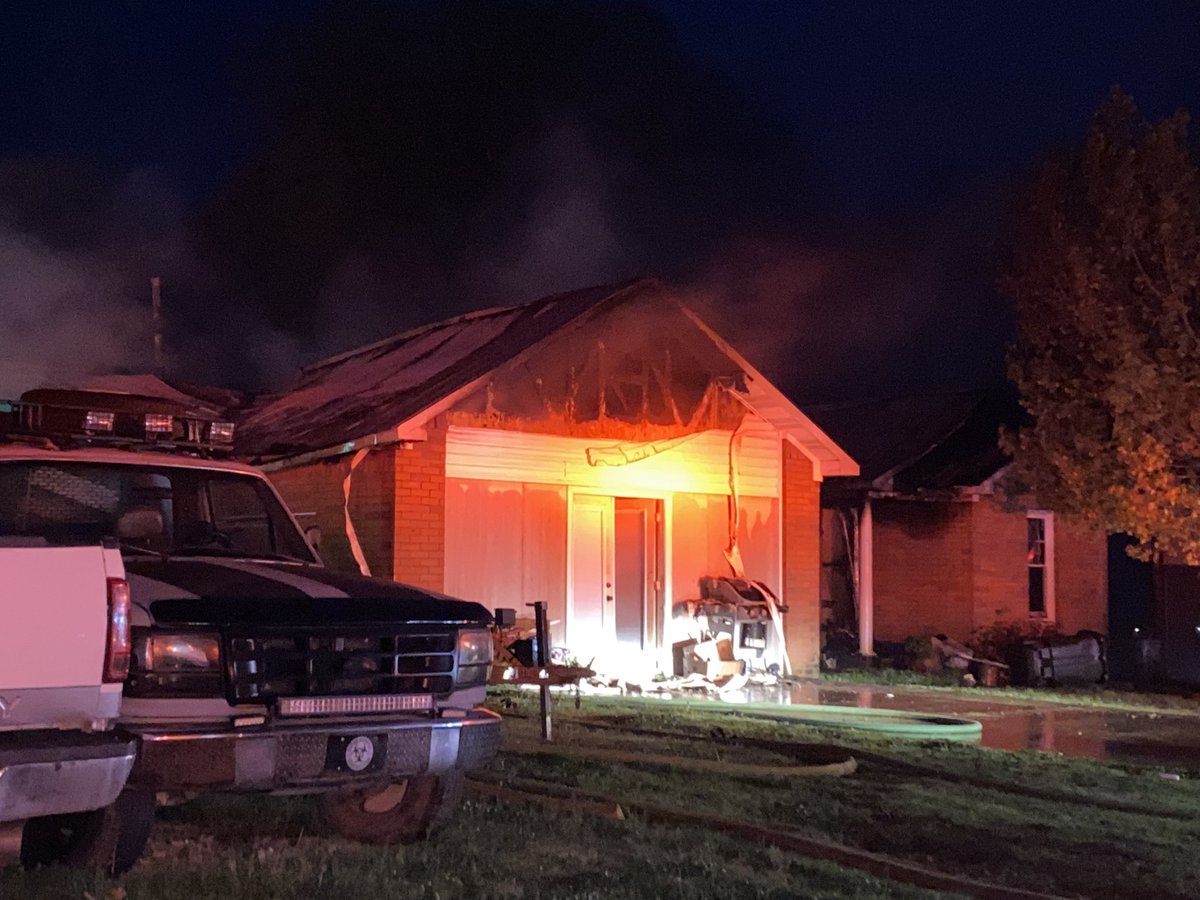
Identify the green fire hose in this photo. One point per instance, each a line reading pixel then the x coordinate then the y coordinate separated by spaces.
pixel 885 723
pixel 880 722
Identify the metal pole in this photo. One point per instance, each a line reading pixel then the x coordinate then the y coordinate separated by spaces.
pixel 543 658
pixel 156 310
pixel 866 581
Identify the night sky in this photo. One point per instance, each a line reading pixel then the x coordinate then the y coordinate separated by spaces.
pixel 829 179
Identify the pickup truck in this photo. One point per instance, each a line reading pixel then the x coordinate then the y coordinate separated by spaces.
pixel 64 653
pixel 253 667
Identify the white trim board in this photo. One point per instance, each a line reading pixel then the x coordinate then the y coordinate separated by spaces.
pixel 698 465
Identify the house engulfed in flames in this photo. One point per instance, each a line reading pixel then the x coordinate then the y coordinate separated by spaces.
pixel 601 450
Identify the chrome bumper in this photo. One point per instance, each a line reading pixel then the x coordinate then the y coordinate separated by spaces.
pixel 296 756
pixel 48 773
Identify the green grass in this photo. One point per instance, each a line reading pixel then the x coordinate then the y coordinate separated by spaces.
pixel 1065 843
pixel 890 676
pixel 267 847
pixel 278 847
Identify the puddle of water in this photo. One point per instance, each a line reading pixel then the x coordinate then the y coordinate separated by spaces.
pixel 1134 737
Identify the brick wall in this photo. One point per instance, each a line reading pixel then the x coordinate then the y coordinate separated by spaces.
pixel 1081 572
pixel 953 567
pixel 923 568
pixel 419 535
pixel 317 488
pixel 999 538
pixel 801 560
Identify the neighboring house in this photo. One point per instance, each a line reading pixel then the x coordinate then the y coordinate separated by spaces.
pixel 928 541
pixel 583 450
pixel 1166 610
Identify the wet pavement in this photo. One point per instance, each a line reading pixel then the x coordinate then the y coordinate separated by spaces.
pixel 1167 737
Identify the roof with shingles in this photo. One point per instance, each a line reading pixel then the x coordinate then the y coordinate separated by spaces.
pixel 401 381
pixel 384 384
pixel 923 442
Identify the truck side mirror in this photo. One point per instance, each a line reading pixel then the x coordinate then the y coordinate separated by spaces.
pixel 312 534
pixel 505 618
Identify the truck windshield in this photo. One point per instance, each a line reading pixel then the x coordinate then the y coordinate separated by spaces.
pixel 160 509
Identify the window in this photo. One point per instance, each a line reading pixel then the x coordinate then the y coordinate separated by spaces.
pixel 1039 559
pixel 239 517
pixel 191 511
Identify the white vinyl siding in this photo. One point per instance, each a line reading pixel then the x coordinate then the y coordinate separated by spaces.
pixel 699 465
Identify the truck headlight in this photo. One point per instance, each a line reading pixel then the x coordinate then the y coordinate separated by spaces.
pixel 182 665
pixel 178 652
pixel 474 656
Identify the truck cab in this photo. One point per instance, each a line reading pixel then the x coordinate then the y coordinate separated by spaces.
pixel 252 666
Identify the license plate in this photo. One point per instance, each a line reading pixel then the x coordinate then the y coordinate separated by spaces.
pixel 356 752
pixel 759 643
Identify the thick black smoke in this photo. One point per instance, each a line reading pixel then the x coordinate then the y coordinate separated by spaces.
pixel 404 163
pixel 422 160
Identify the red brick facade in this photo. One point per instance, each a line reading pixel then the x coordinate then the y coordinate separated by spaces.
pixel 1081 557
pixel 397 507
pixel 316 488
pixel 952 567
pixel 801 560
pixel 923 568
pixel 419 535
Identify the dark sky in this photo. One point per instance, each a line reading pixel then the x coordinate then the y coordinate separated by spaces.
pixel 831 177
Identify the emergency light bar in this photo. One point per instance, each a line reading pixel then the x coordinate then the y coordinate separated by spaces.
pixel 220 432
pixel 159 423
pixel 83 418
pixel 99 422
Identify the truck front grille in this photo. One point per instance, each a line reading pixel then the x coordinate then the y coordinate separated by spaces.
pixel 314 663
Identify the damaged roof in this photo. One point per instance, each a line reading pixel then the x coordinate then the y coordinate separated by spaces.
pixel 925 442
pixel 391 388
pixel 388 383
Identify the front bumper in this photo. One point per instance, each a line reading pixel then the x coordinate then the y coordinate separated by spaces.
pixel 45 773
pixel 296 756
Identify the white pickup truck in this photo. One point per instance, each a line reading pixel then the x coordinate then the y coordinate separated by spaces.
pixel 64 655
pixel 252 666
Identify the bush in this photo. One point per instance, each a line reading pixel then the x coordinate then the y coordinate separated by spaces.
pixel 1003 641
pixel 919 654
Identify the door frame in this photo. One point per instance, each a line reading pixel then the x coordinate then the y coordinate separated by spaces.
pixel 661 654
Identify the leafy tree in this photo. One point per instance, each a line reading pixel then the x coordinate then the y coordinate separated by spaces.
pixel 1104 275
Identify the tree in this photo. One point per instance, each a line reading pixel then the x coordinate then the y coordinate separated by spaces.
pixel 1104 275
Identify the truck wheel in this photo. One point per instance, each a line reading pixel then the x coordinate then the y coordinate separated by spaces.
pixel 111 838
pixel 400 813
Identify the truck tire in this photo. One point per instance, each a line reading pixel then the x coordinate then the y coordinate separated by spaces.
pixel 400 813
pixel 110 839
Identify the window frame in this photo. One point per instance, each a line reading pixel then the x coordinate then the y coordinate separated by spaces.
pixel 1046 517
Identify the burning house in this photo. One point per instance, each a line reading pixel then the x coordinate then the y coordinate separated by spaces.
pixel 602 450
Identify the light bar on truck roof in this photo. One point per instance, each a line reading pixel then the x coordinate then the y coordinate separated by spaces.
pixel 70 418
pixel 220 432
pixel 158 423
pixel 99 421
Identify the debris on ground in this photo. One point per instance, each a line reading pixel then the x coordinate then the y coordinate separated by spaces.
pixel 693 684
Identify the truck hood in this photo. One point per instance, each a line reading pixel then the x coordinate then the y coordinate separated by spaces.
pixel 219 591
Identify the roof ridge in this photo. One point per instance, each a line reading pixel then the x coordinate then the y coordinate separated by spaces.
pixel 892 398
pixel 959 424
pixel 410 334
pixel 469 316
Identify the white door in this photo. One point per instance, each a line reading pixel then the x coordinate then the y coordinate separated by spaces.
pixel 590 620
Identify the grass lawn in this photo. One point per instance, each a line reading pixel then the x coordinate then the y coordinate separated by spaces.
pixel 1070 842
